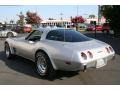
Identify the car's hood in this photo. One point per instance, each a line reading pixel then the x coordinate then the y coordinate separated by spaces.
pixel 87 45
pixel 18 38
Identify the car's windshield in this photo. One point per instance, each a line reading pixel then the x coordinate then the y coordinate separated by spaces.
pixel 69 34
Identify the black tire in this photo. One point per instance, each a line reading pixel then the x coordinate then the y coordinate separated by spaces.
pixel 10 34
pixel 7 51
pixel 44 66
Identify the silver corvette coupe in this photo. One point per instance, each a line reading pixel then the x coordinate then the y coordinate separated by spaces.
pixel 60 49
pixel 7 33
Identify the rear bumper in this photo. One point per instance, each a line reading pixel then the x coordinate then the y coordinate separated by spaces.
pixel 92 64
pixel 77 66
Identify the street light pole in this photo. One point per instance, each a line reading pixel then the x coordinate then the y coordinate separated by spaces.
pixel 76 20
pixel 61 16
pixel 99 16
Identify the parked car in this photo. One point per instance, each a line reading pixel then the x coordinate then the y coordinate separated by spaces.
pixel 106 27
pixel 22 29
pixel 7 33
pixel 60 49
pixel 99 28
pixel 93 27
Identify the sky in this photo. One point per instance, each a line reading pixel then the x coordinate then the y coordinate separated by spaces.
pixel 8 13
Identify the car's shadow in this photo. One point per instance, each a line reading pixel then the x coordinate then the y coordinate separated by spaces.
pixel 27 67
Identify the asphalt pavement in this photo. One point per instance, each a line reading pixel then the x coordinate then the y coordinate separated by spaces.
pixel 21 71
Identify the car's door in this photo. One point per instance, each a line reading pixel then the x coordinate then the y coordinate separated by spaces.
pixel 26 49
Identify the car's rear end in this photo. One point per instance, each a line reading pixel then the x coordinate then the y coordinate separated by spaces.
pixel 91 54
pixel 91 28
pixel 19 29
pixel 96 58
pixel 27 29
pixel 99 28
pixel 105 27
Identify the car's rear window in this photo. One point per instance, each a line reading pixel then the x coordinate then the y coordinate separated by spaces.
pixel 67 35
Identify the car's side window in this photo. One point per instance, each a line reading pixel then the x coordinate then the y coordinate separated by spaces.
pixel 35 36
pixel 55 35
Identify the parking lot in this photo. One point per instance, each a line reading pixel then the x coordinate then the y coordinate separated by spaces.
pixel 22 71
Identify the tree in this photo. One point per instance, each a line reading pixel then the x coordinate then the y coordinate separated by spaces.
pixel 112 15
pixel 51 19
pixel 91 16
pixel 33 18
pixel 76 20
pixel 21 19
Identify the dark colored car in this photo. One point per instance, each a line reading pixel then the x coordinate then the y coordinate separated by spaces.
pixel 20 29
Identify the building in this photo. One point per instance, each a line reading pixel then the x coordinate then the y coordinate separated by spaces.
pixel 63 22
pixel 90 20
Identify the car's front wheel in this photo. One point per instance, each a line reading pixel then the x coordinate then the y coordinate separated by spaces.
pixel 7 51
pixel 43 65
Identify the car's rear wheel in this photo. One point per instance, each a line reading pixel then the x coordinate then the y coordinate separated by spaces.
pixel 7 51
pixel 10 34
pixel 43 65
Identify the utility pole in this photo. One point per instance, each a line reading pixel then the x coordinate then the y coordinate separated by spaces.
pixel 99 14
pixel 76 21
pixel 61 16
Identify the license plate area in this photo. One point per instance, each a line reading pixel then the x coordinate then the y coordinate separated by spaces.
pixel 100 63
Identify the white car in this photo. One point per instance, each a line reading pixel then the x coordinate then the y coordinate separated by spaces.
pixel 60 49
pixel 7 33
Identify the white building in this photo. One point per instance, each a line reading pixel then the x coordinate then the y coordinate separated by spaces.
pixel 56 22
pixel 89 20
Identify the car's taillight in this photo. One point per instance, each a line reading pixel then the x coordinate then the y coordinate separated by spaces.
pixel 90 54
pixel 111 49
pixel 107 49
pixel 84 56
